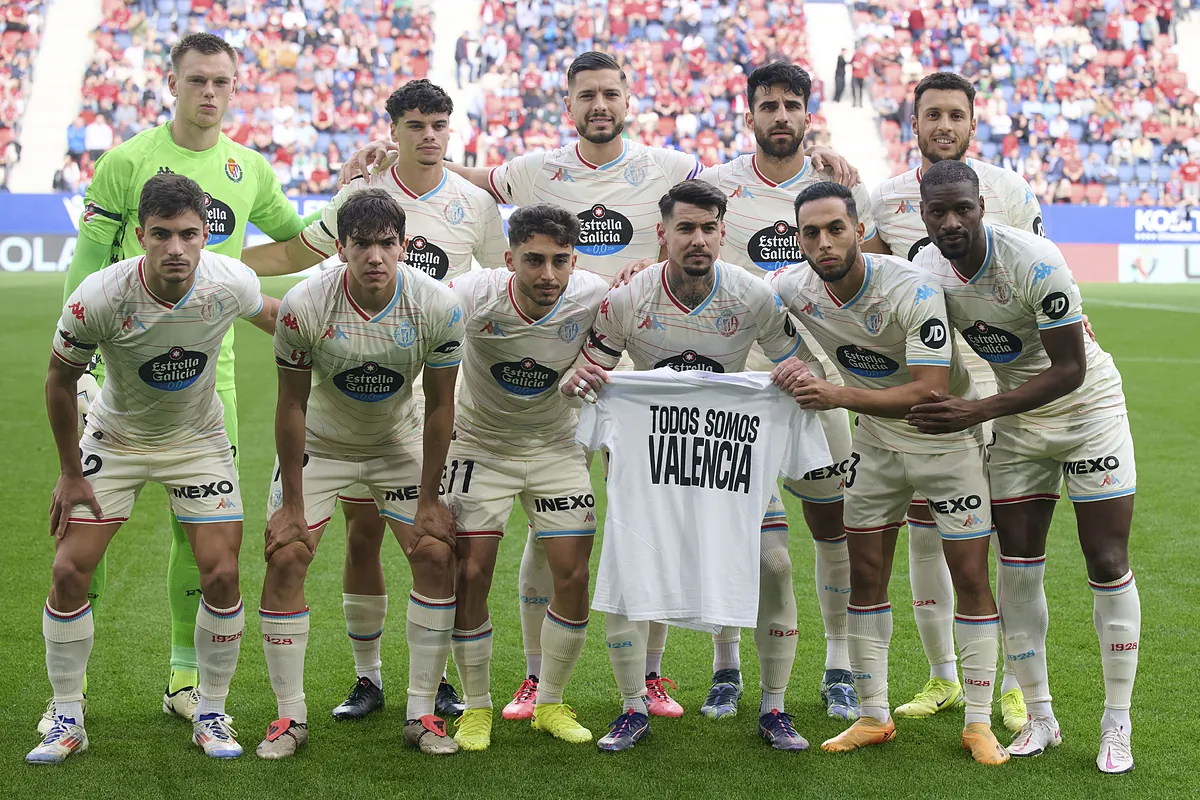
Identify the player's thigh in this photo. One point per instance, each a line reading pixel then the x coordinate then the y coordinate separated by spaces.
pixel 215 544
pixel 1099 464
pixel 364 526
pixel 877 490
pixel 116 479
pixel 394 481
pixel 80 549
pixel 825 485
pixel 202 484
pixel 955 485
pixel 324 479
pixel 558 498
pixel 480 488
pixel 1022 464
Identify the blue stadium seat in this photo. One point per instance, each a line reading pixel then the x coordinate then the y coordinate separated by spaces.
pixel 1154 190
pixel 1084 149
pixel 988 149
pixel 1113 190
pixel 1076 130
pixel 1125 173
pixel 1143 173
pixel 1102 149
pixel 983 132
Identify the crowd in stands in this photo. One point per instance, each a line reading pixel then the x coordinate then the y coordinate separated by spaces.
pixel 20 34
pixel 312 79
pixel 1083 97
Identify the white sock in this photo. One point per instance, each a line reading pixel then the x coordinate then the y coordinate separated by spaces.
pixel 656 645
pixel 365 615
pixel 1118 617
pixel 562 643
pixel 69 636
pixel 473 655
pixel 933 597
pixel 978 642
pixel 627 653
pixel 833 592
pixel 218 639
pixel 727 649
pixel 429 622
pixel 1009 681
pixel 536 585
pixel 869 629
pixel 285 638
pixel 1024 619
pixel 775 636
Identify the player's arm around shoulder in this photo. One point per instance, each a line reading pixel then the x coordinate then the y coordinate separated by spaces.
pixel 307 247
pixel 777 334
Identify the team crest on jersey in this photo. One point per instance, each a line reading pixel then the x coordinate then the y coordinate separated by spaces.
pixel 1002 292
pixel 233 171
pixel 873 322
pixel 525 377
pixel 405 334
pixel 634 175
pixel 775 247
pixel 727 323
pixel 650 323
pixel 603 231
pixel 924 292
pixel 568 331
pixel 455 213
pixel 906 207
pixel 211 311
pixel 1042 271
pixel 174 370
pixel 369 383
pixel 560 174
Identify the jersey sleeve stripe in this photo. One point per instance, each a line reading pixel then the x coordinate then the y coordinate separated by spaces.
pixel 443 366
pixel 68 361
pixel 596 343
pixel 792 352
pixel 258 308
pixel 928 362
pixel 311 246
pixel 492 182
pixel 1060 323
pixel 297 367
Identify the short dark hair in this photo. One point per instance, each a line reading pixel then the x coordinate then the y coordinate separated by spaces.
pixel 543 218
pixel 167 195
pixel 946 81
pixel 779 73
pixel 593 61
pixel 693 193
pixel 419 95
pixel 368 214
pixel 823 189
pixel 947 172
pixel 204 43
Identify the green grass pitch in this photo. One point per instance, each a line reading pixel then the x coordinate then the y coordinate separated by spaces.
pixel 138 752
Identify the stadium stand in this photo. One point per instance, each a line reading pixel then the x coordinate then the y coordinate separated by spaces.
pixel 21 22
pixel 312 79
pixel 1083 97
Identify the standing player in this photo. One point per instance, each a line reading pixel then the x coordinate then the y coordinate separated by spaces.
pixel 158 321
pixel 886 326
pixel 239 187
pixel 515 438
pixel 944 123
pixel 361 426
pixel 693 311
pixel 448 221
pixel 1060 414
pixel 760 233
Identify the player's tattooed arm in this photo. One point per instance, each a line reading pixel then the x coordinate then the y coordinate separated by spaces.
pixel 288 525
pixel 62 408
pixel 894 402
pixel 1068 367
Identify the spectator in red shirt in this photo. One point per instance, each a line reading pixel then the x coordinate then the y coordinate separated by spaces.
pixel 858 77
pixel 1189 175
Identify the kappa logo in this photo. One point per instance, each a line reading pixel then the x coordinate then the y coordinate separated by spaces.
pixel 1042 271
pixel 741 191
pixel 972 521
pixel 492 328
pixel 812 310
pixel 561 174
pixel 906 207
pixel 78 312
pixel 589 517
pixel 1110 480
pixel 131 323
pixel 214 489
pixel 233 171
pixel 604 307
pixel 651 323
pixel 334 332
pixel 455 317
pixel 727 323
pixel 226 503
pixel 1090 465
pixel 165 171
pixel 924 292
pixel 290 322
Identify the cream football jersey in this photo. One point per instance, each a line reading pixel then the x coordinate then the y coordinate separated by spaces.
pixel 896 321
pixel 445 226
pixel 645 319
pixel 617 202
pixel 1025 287
pixel 364 364
pixel 508 400
pixel 160 385
pixel 760 222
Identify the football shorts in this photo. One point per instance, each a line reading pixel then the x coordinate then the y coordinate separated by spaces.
pixel 826 484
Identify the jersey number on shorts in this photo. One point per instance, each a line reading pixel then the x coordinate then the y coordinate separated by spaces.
pixel 91 464
pixel 468 467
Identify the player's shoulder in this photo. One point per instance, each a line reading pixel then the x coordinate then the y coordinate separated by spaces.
pixel 737 281
pixel 480 283
pixel 721 174
pixel 1020 249
pixel 898 278
pixel 427 292
pixel 135 150
pixel 666 158
pixel 109 285
pixel 463 188
pixel 314 291
pixel 222 269
pixel 586 287
pixel 904 184
pixel 996 177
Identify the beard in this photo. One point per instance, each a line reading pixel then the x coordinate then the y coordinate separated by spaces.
pixel 836 272
pixel 936 157
pixel 956 251
pixel 774 149
pixel 600 138
pixel 534 294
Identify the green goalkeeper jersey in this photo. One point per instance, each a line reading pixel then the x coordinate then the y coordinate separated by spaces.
pixel 239 187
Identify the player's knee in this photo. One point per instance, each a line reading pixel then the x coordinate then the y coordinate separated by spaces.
pixel 363 541
pixel 69 578
pixel 572 580
pixel 433 556
pixel 291 561
pixel 775 566
pixel 219 582
pixel 865 573
pixel 473 573
pixel 1107 565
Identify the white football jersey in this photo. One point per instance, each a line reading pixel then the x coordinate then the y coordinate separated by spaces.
pixel 897 320
pixel 643 318
pixel 617 202
pixel 693 464
pixel 760 222
pixel 508 400
pixel 160 380
pixel 1025 287
pixel 364 365
pixel 445 226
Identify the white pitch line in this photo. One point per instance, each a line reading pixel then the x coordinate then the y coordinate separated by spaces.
pixel 1147 306
pixel 1155 360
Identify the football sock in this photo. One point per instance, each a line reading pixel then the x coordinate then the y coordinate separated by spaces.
pixel 627 654
pixel 869 629
pixel 562 644
pixel 183 598
pixel 218 643
pixel 656 645
pixel 833 592
pixel 978 642
pixel 1118 618
pixel 1024 619
pixel 775 636
pixel 536 586
pixel 933 597
pixel 365 615
pixel 727 649
pixel 473 655
pixel 99 583
pixel 69 636
pixel 1009 681
pixel 182 678
pixel 285 638
pixel 429 623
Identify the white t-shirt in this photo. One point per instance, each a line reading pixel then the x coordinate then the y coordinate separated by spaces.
pixel 897 320
pixel 160 358
pixel 1023 288
pixel 361 403
pixel 508 401
pixel 445 226
pixel 693 462
pixel 617 202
